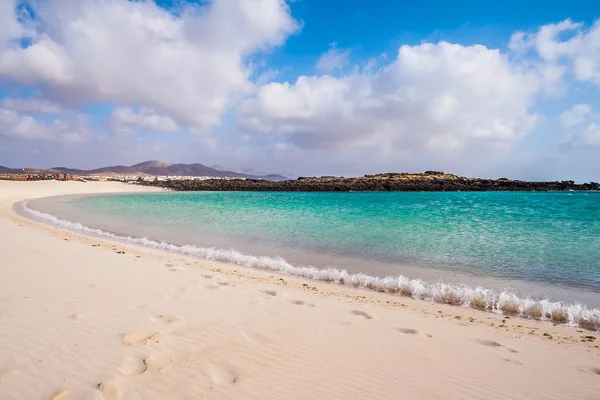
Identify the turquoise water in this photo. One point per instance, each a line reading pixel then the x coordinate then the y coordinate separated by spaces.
pixel 535 252
pixel 551 238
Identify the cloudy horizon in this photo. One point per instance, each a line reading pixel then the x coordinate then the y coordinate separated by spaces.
pixel 301 88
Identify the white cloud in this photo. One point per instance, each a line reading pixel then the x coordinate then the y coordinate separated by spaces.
pixel 432 106
pixel 567 42
pixel 520 42
pixel 31 105
pixel 575 116
pixel 125 118
pixel 548 44
pixel 10 28
pixel 189 66
pixel 334 59
pixel 373 64
pixel 587 139
pixel 435 97
pixel 267 76
pixel 24 127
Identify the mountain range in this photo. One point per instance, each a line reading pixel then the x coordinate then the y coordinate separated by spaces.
pixel 152 168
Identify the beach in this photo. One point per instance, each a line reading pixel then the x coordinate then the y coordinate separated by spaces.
pixel 86 317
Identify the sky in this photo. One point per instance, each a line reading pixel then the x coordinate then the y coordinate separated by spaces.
pixel 304 87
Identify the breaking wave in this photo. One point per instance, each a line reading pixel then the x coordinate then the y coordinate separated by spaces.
pixel 507 303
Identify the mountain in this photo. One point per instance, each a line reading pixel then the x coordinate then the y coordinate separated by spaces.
pixel 146 168
pixel 5 170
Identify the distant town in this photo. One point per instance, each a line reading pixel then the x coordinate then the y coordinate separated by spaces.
pixel 117 178
pixel 148 171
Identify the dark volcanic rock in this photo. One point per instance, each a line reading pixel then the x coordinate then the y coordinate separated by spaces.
pixel 431 181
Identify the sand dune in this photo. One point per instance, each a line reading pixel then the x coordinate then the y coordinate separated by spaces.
pixel 87 318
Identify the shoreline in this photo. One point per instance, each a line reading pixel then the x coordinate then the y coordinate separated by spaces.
pixel 501 302
pixel 307 257
pixel 257 320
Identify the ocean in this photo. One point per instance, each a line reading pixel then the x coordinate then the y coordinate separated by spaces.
pixel 536 254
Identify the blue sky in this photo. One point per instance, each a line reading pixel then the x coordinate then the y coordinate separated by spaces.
pixel 306 87
pixel 370 28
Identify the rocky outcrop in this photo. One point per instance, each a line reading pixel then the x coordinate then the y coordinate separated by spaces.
pixel 430 181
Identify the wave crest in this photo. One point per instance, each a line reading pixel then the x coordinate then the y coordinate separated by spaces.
pixel 479 298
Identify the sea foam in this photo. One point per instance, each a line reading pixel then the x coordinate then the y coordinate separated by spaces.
pixel 459 295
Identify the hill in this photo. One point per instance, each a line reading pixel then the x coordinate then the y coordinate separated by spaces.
pixel 147 168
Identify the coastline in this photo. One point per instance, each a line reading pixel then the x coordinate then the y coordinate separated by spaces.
pixel 457 293
pixel 160 319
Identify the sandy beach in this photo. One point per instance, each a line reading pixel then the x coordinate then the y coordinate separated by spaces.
pixel 83 317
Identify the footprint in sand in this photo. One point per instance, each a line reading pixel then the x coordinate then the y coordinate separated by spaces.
pixel 271 293
pixel 163 319
pixel 109 390
pixel 226 284
pixel 222 375
pixel 77 317
pixel 362 314
pixel 132 366
pixel 172 267
pixel 491 343
pixel 410 331
pixel 144 339
pixel 592 370
pixel 206 276
pixel 300 303
pixel 156 363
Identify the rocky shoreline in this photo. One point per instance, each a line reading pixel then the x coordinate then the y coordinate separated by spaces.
pixel 430 181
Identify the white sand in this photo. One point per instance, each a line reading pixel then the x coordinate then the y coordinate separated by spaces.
pixel 80 320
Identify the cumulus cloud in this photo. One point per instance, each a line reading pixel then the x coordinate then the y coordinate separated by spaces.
pixel 429 106
pixel 267 76
pixel 575 116
pixel 14 125
pixel 586 137
pixel 125 118
pixel 189 65
pixel 32 105
pixel 436 97
pixel 10 28
pixel 334 60
pixel 566 42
